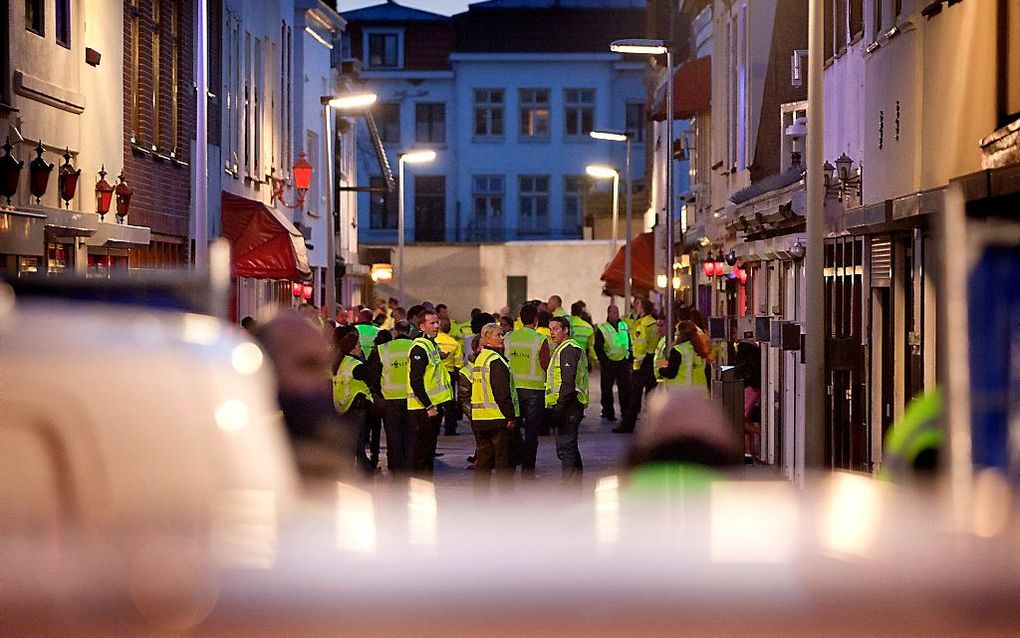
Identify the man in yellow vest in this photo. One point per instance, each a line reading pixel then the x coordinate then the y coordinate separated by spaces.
pixel 644 339
pixel 453 357
pixel 555 306
pixel 528 353
pixel 429 387
pixel 682 366
pixel 581 331
pixel 366 332
pixel 566 393
pixel 494 409
pixel 389 380
pixel 612 348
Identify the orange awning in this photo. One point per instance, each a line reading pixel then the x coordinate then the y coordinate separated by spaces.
pixel 264 244
pixel 692 90
pixel 642 266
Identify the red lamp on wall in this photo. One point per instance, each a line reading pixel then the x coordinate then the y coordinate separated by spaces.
pixel 67 180
pixel 306 292
pixel 10 172
pixel 296 288
pixel 104 195
pixel 708 265
pixel 302 171
pixel 39 174
pixel 123 197
pixel 718 267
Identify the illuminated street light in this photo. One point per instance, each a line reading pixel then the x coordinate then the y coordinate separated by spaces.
pixel 352 101
pixel 623 136
pixel 410 157
pixel 639 45
pixel 599 171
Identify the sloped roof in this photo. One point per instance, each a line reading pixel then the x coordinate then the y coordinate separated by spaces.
pixel 487 28
pixel 391 12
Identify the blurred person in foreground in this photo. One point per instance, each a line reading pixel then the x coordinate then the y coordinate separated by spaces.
pixel 566 394
pixel 494 410
pixel 685 443
pixel 301 361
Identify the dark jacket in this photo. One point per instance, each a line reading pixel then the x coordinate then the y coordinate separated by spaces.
pixel 672 365
pixel 416 373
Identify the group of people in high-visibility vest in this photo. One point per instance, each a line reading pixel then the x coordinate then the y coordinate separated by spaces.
pixel 515 379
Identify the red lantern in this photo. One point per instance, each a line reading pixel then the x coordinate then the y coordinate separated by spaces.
pixel 39 174
pixel 123 197
pixel 302 173
pixel 708 267
pixel 67 181
pixel 741 274
pixel 718 268
pixel 297 288
pixel 306 292
pixel 104 194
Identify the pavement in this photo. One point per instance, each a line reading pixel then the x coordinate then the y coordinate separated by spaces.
pixel 602 452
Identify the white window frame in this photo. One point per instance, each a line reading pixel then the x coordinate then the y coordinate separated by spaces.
pixel 580 106
pixel 531 106
pixel 367 36
pixel 535 196
pixel 490 195
pixel 578 194
pixel 489 106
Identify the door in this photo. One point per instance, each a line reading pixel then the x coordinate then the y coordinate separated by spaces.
pixel 516 291
pixel 430 208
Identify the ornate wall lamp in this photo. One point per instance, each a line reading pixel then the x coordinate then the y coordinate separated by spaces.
pixel 104 195
pixel 842 178
pixel 67 179
pixel 123 193
pixel 302 172
pixel 10 172
pixel 39 174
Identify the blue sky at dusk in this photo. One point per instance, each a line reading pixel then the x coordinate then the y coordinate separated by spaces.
pixel 445 7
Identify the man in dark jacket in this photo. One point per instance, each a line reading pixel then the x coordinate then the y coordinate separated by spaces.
pixel 612 348
pixel 494 409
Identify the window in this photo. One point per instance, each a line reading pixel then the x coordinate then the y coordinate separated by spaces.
pixel 877 19
pixel 312 153
pixel 256 111
pixel 382 208
pixel 247 103
pixel 389 122
pixel 157 79
pixel 534 105
pixel 488 192
pixel 135 45
pixel 384 50
pixel 488 112
pixel 580 111
pixel 840 26
pixel 430 122
pixel 636 121
pixel 35 16
pixel 429 208
pixel 856 19
pixel 828 29
pixel 63 15
pixel 175 76
pixel 574 187
pixel 533 205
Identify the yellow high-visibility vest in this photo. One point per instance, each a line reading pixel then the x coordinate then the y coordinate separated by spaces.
pixel 483 402
pixel 437 377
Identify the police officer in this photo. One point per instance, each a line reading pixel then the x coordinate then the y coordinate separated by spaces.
pixel 566 393
pixel 494 409
pixel 528 353
pixel 428 389
pixel 645 337
pixel 682 366
pixel 393 364
pixel 612 348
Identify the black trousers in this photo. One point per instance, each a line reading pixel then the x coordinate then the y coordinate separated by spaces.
pixel 492 452
pixel 370 435
pixel 426 430
pixel 642 382
pixel 615 373
pixel 399 436
pixel 451 416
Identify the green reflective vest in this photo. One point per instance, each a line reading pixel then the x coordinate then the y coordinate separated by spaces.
pixel 554 380
pixel 581 332
pixel 366 337
pixel 617 340
pixel 345 386
pixel 692 367
pixel 483 402
pixel 919 429
pixel 393 355
pixel 645 336
pixel 523 349
pixel 437 377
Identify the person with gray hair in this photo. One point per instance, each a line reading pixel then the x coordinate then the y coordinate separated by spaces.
pixel 494 409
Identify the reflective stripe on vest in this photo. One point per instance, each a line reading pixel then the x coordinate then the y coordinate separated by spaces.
pixel 524 349
pixel 690 364
pixel 483 402
pixel 437 377
pixel 393 355
pixel 617 340
pixel 554 380
pixel 366 337
pixel 646 334
pixel 345 386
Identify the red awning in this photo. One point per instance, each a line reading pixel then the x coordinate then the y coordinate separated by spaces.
pixel 642 266
pixel 264 244
pixel 692 90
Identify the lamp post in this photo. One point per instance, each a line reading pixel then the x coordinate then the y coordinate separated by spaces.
pixel 659 47
pixel 410 157
pixel 350 101
pixel 622 136
pixel 599 171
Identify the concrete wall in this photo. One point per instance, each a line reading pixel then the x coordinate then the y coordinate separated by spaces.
pixel 465 276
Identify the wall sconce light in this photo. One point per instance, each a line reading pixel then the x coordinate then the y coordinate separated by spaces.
pixel 796 133
pixel 302 171
pixel 104 195
pixel 731 258
pixel 67 179
pixel 381 272
pixel 661 281
pixel 10 172
pixel 296 288
pixel 39 174
pixel 842 178
pixel 124 194
pixel 306 291
pixel 798 250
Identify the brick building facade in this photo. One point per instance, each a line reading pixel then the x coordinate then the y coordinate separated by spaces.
pixel 159 124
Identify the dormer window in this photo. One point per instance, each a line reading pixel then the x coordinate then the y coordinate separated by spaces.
pixel 384 49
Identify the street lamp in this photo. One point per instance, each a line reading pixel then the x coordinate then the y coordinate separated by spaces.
pixel 622 136
pixel 343 102
pixel 659 47
pixel 410 157
pixel 599 171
